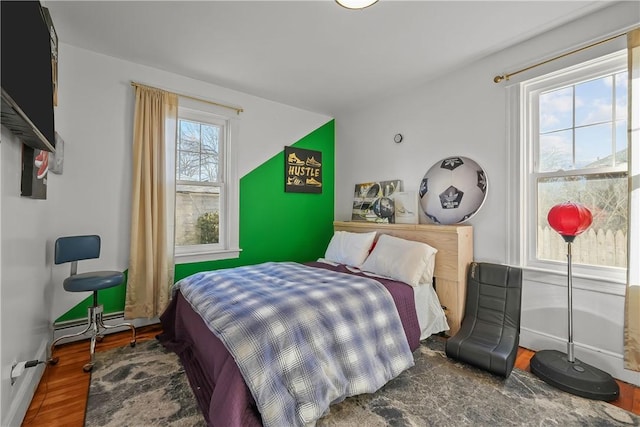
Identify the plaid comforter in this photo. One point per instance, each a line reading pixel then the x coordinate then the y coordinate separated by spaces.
pixel 303 337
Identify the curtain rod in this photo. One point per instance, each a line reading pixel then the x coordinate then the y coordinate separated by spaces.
pixel 238 110
pixel 498 79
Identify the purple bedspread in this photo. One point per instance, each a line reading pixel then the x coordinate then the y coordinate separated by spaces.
pixel 214 376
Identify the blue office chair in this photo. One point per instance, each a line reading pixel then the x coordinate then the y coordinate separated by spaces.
pixel 72 249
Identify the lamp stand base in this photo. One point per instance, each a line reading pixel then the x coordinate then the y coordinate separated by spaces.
pixel 579 378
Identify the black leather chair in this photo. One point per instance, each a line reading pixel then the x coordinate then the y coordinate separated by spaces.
pixel 490 332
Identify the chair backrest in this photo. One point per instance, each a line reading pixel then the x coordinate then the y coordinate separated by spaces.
pixel 74 248
pixel 494 296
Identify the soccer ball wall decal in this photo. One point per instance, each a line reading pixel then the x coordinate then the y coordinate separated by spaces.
pixel 453 190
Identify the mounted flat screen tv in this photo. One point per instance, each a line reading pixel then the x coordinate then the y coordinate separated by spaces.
pixel 27 73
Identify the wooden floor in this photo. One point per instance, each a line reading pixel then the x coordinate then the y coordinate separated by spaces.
pixel 61 397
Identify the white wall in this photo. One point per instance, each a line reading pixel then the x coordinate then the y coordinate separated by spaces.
pixel 94 116
pixel 465 113
pixel 24 294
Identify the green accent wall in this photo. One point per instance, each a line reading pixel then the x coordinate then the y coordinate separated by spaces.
pixel 274 225
pixel 279 226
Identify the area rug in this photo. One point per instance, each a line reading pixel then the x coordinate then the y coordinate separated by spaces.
pixel 146 386
pixel 141 386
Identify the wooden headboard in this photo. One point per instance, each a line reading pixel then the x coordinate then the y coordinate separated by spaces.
pixel 455 252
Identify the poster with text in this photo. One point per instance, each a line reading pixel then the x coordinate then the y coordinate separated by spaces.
pixel 302 170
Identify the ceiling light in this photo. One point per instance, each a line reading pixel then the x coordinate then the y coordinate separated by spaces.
pixel 355 4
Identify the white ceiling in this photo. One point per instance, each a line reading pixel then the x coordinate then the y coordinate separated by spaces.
pixel 314 55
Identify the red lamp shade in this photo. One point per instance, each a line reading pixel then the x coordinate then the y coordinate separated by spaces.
pixel 569 219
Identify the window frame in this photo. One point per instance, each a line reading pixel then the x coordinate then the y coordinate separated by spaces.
pixel 523 138
pixel 228 243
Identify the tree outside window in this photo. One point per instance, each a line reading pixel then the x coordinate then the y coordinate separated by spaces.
pixel 199 186
pixel 577 132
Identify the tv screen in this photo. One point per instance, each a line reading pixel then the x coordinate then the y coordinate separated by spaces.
pixel 26 73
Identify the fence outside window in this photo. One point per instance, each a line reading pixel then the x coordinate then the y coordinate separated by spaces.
pixel 593 247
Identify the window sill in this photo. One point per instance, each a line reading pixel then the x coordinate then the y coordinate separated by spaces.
pixel 610 285
pixel 186 258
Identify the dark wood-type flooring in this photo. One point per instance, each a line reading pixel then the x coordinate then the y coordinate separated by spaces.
pixel 61 397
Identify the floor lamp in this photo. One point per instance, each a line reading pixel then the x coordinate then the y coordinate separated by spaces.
pixel 562 370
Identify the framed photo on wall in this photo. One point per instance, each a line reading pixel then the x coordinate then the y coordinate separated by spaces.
pixel 302 170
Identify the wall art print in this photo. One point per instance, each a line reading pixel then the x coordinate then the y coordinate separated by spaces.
pixel 56 159
pixel 302 170
pixel 35 165
pixel 406 207
pixel 373 201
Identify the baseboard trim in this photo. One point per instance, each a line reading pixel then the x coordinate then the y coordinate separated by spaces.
pixel 77 325
pixel 26 385
pixel 608 361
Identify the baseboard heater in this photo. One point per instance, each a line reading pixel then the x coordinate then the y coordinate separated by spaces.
pixel 66 324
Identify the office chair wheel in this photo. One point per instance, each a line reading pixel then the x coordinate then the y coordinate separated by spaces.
pixel 53 361
pixel 88 367
pixel 132 343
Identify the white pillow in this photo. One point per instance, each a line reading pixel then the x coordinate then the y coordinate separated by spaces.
pixel 349 248
pixel 404 260
pixel 427 274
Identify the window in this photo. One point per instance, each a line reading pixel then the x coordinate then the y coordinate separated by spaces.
pixel 574 125
pixel 206 223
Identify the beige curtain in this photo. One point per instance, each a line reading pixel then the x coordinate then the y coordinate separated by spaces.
pixel 151 263
pixel 632 299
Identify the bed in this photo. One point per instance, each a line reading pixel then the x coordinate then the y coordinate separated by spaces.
pixel 222 367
